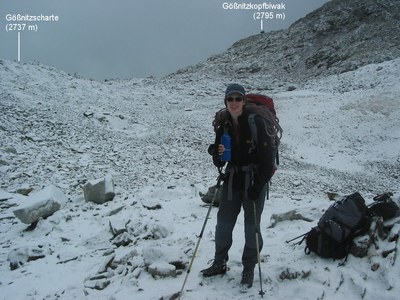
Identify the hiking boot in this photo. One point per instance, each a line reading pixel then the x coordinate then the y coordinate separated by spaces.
pixel 218 267
pixel 247 278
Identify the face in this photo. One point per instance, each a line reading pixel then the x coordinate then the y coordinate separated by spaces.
pixel 234 104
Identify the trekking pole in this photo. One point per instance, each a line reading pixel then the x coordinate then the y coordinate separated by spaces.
pixel 257 226
pixel 297 237
pixel 202 231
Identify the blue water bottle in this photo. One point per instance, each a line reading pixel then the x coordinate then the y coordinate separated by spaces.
pixel 226 141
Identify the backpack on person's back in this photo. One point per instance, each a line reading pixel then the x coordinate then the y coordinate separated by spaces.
pixel 261 106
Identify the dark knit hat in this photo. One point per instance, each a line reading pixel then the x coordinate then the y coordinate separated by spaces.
pixel 234 88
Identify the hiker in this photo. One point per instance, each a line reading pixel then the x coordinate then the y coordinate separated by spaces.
pixel 246 174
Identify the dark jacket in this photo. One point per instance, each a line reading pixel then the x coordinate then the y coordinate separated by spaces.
pixel 262 157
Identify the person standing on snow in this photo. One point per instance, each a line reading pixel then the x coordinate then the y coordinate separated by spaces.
pixel 245 179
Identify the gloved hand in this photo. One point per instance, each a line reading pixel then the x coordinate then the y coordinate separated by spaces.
pixel 213 151
pixel 253 192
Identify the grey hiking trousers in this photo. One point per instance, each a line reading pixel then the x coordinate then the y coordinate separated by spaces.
pixel 226 220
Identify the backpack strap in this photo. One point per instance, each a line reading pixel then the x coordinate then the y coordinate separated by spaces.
pixel 220 119
pixel 253 129
pixel 249 177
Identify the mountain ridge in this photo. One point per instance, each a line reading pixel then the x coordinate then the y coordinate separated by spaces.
pixel 338 37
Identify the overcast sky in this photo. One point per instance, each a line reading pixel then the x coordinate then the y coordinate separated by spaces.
pixel 102 39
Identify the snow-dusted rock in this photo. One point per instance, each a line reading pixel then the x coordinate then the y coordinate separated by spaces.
pixel 153 254
pixel 288 216
pixel 168 254
pixel 97 283
pixel 117 227
pixel 122 240
pixel 106 264
pixel 99 191
pixel 159 231
pixel 209 196
pixel 162 269
pixel 41 205
pixel 65 257
pixel 20 256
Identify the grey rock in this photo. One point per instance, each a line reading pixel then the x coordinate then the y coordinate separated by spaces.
pixel 99 191
pixel 41 205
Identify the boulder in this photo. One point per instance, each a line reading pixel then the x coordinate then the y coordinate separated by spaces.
pixel 41 204
pixel 99 191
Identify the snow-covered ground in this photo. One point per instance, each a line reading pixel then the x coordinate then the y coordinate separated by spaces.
pixel 340 134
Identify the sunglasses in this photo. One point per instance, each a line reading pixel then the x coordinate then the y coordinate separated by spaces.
pixel 237 99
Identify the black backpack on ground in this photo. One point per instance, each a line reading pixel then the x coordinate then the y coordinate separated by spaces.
pixel 342 221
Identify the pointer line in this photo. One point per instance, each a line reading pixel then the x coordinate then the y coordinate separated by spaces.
pixel 19 46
